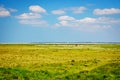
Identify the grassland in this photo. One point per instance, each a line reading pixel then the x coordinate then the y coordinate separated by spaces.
pixel 60 62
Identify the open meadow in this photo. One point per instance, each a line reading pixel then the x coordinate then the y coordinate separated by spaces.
pixel 59 62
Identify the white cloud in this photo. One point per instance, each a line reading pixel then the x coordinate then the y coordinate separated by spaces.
pixel 29 16
pixel 88 20
pixel 87 23
pixel 58 12
pixel 67 18
pixel 106 20
pixel 64 23
pixel 106 11
pixel 38 9
pixel 4 12
pixel 12 10
pixel 33 17
pixel 34 22
pixel 78 9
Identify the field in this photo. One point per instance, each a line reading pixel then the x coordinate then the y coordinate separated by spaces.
pixel 59 62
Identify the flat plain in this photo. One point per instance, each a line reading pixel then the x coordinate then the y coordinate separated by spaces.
pixel 59 61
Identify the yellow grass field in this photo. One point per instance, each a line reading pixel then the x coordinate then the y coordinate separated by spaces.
pixel 59 62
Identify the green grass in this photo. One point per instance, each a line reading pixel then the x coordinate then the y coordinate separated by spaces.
pixel 59 62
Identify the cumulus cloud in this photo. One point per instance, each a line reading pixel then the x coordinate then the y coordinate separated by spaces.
pixel 33 17
pixel 87 23
pixel 12 10
pixel 34 22
pixel 29 16
pixel 58 12
pixel 106 11
pixel 36 8
pixel 4 12
pixel 78 9
pixel 88 20
pixel 67 18
pixel 107 20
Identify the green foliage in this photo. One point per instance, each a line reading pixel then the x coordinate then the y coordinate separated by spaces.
pixel 10 74
pixel 105 72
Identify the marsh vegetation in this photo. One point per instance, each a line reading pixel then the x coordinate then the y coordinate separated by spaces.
pixel 60 62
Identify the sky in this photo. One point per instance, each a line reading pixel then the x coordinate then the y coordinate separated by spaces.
pixel 24 21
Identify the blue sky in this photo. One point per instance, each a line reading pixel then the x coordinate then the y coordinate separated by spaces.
pixel 24 21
